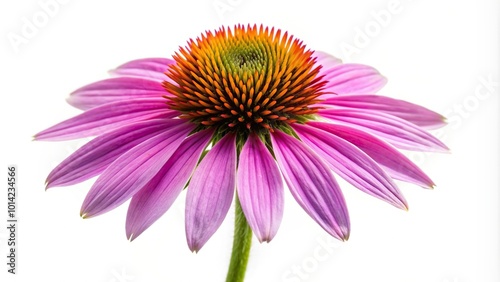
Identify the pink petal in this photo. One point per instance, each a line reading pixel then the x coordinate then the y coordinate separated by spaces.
pixel 107 117
pixel 413 113
pixel 156 197
pixel 260 189
pixel 312 184
pixel 210 192
pixel 95 156
pixel 326 60
pixel 392 161
pixel 115 89
pixel 149 68
pixel 396 131
pixel 130 172
pixel 352 164
pixel 353 79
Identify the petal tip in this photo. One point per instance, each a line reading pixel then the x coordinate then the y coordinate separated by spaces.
pixel 428 184
pixel 444 149
pixel 402 204
pixel 49 183
pixel 85 214
pixel 345 235
pixel 194 247
pixel 342 234
pixel 71 100
pixel 265 239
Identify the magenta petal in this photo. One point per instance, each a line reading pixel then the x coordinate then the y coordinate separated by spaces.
pixel 413 113
pixel 210 192
pixel 352 164
pixel 149 68
pixel 130 172
pixel 115 89
pixel 312 184
pixel 396 131
pixel 156 197
pixel 390 159
pixel 353 79
pixel 95 156
pixel 260 189
pixel 106 117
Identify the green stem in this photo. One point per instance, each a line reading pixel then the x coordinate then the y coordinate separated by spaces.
pixel 241 246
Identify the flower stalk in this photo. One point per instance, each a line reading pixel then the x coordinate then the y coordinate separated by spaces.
pixel 241 246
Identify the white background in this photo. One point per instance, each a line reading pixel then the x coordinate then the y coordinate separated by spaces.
pixel 434 54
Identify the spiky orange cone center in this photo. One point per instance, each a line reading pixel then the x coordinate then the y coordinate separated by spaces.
pixel 246 79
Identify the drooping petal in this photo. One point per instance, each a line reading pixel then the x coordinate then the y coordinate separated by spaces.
pixel 154 199
pixel 312 184
pixel 115 89
pixel 95 156
pixel 353 79
pixel 210 192
pixel 260 189
pixel 101 119
pixel 392 161
pixel 130 172
pixel 396 131
pixel 352 164
pixel 413 113
pixel 148 68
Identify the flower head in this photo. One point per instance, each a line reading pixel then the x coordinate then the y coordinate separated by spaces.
pixel 236 110
pixel 246 80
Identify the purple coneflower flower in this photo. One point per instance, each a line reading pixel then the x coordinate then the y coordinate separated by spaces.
pixel 266 107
